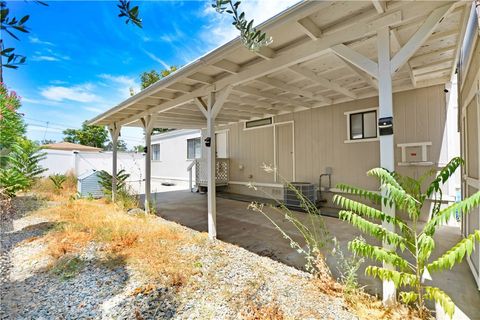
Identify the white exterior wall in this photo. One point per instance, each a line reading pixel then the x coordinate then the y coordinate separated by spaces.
pixel 61 162
pixel 173 161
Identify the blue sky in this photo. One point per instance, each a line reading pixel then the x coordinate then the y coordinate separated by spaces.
pixel 82 59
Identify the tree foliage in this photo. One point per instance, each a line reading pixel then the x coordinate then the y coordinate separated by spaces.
pixel 252 38
pixel 409 195
pixel 88 135
pixel 121 146
pixel 148 78
pixel 12 126
pixel 106 180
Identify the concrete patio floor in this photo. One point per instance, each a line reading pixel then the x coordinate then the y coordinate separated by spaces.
pixel 252 231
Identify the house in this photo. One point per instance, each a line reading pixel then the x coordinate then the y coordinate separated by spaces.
pixel 344 87
pixel 172 152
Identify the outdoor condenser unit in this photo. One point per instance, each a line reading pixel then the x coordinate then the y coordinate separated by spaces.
pixel 291 199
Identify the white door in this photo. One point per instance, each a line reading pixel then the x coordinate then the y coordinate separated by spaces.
pixel 284 152
pixel 221 140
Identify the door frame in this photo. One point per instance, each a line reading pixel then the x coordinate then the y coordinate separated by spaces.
pixel 274 127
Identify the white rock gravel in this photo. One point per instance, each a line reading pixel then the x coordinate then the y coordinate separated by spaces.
pixel 228 277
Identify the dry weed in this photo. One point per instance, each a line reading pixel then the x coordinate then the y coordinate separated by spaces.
pixel 270 311
pixel 144 242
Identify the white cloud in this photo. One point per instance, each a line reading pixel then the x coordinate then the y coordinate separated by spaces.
pixel 121 83
pixel 220 29
pixel 36 40
pixel 79 93
pixel 45 58
pixel 93 109
pixel 157 59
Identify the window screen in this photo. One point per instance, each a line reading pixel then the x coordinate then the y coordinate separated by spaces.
pixel 194 148
pixel 155 152
pixel 363 125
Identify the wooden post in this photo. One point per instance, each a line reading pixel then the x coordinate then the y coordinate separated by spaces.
pixel 387 161
pixel 147 123
pixel 114 130
pixel 211 163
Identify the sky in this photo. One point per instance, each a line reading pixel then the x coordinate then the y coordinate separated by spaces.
pixel 82 59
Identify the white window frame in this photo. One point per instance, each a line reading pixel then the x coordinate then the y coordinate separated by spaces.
pixel 259 127
pixel 348 113
pixel 153 152
pixel 200 141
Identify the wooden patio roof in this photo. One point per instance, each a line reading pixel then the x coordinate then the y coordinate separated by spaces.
pixel 323 53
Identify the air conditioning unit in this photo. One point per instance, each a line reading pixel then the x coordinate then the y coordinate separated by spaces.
pixel 291 199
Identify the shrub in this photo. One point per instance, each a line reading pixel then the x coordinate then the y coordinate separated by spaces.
pixel 12 181
pixel 58 180
pixel 106 180
pixel 407 194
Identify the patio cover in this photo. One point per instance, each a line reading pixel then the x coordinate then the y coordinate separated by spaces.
pixel 317 59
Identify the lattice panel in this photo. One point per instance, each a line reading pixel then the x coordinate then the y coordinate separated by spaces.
pixel 222 176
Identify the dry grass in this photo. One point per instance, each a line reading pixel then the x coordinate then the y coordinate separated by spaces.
pixel 141 241
pixel 45 188
pixel 270 311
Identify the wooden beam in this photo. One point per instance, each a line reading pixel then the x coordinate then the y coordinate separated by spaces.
pixel 380 6
pixel 271 96
pixel 429 55
pixel 164 95
pixel 414 43
pixel 292 89
pixel 463 28
pixel 266 53
pixel 227 65
pixel 253 102
pixel 307 73
pixel 202 106
pixel 310 28
pixel 180 87
pixel 220 98
pixel 397 45
pixel 362 74
pixel 200 77
pixel 357 59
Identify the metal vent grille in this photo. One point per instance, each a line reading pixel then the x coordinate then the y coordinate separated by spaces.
pixel 291 199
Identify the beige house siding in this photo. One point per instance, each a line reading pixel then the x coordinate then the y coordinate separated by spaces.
pixel 320 134
pixel 469 104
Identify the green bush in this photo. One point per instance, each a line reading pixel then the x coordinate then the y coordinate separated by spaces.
pixel 58 180
pixel 408 195
pixel 106 180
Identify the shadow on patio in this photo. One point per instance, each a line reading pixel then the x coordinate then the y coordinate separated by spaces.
pixel 252 231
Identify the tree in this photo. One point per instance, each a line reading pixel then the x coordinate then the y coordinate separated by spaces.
pixel 94 136
pixel 138 148
pixel 12 126
pixel 121 146
pixel 148 78
pixel 408 195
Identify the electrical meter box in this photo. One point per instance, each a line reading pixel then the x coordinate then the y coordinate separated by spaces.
pixel 413 154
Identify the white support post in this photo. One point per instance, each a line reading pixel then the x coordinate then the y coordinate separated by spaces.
pixel 114 130
pixel 385 97
pixel 147 123
pixel 211 179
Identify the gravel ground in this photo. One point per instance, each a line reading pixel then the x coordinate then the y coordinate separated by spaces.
pixel 231 282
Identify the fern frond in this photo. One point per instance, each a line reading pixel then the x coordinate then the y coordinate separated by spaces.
pixel 444 175
pixel 408 297
pixel 435 294
pixel 369 212
pixel 366 194
pixel 398 278
pixel 360 247
pixel 465 206
pixel 384 176
pixel 455 254
pixel 372 229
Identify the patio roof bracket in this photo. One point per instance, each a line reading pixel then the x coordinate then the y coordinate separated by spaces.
pixel 114 130
pixel 147 123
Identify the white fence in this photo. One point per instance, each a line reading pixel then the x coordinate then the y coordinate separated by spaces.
pixel 61 162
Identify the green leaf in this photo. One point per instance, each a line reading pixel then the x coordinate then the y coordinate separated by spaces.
pixel 437 295
pixel 444 175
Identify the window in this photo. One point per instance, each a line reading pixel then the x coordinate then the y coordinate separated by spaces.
pixel 194 148
pixel 363 125
pixel 258 123
pixel 156 152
